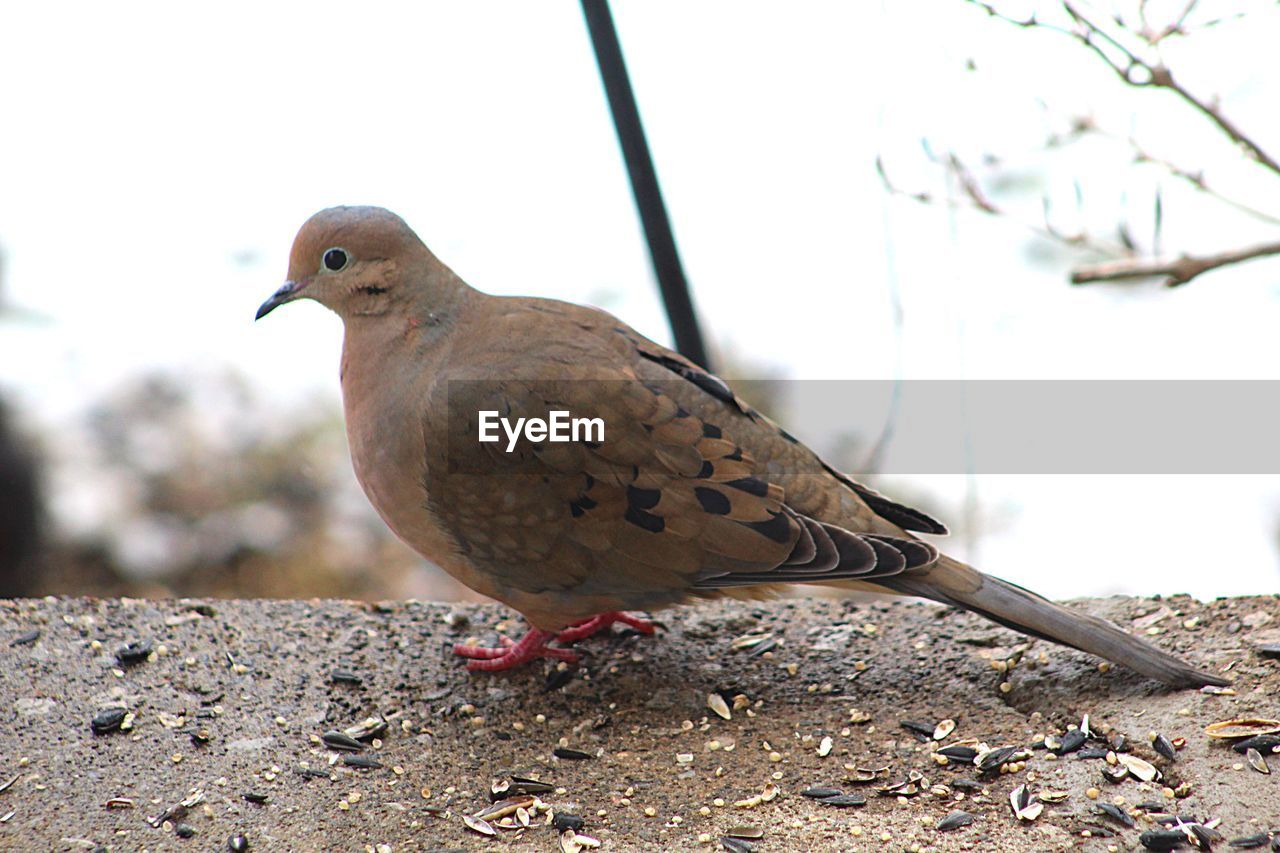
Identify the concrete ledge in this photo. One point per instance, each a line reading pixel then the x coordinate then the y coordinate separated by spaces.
pixel 256 678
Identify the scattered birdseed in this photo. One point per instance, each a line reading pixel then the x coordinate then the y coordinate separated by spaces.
pixel 184 830
pixel 1256 761
pixel 1262 743
pixel 1214 690
pixel 1052 796
pixel 923 731
pixel 255 798
pixel 958 752
pixel 736 845
pixel 944 729
pixel 991 760
pixel 824 747
pixel 1267 650
pixel 717 704
pixel 369 729
pixel 1092 793
pixel 751 833
pixel 954 820
pixel 563 820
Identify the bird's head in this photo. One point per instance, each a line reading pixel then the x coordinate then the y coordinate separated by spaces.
pixel 356 261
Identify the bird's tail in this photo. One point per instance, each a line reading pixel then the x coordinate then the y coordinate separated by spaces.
pixel 952 582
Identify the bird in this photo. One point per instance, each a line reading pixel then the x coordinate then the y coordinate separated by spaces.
pixel 689 493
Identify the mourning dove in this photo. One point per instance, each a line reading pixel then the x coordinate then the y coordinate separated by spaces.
pixel 689 494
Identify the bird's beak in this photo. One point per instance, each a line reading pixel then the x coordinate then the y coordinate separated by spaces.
pixel 287 292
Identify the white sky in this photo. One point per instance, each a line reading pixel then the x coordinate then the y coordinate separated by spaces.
pixel 157 161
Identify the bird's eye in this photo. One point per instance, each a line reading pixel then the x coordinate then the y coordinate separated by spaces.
pixel 335 259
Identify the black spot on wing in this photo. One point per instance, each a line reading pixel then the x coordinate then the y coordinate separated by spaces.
pixel 711 430
pixel 644 520
pixel 706 470
pixel 751 486
pixel 777 528
pixel 643 498
pixel 712 501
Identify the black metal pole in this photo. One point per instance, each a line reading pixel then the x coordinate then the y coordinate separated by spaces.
pixel 644 182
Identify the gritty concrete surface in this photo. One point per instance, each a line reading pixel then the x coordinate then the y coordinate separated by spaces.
pixel 254 679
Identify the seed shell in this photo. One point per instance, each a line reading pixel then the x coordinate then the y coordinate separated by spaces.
pixel 1262 743
pixel 1115 813
pixel 751 833
pixel 1256 761
pixel 1163 746
pixel 717 704
pixel 133 653
pixel 1144 770
pixel 1071 741
pixel 955 820
pixel 821 793
pixel 943 730
pixel 1243 728
pixel 341 741
pixel 1249 841
pixel 844 800
pixel 362 762
pixel 477 825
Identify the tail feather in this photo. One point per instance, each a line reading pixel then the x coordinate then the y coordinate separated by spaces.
pixel 952 582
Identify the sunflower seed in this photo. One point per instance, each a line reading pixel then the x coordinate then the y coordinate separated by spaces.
pixel 1269 650
pixel 1115 813
pixel 1052 796
pixel 944 729
pixel 255 798
pixel 1163 839
pixel 844 800
pixel 571 754
pixel 1249 841
pixel 922 731
pixel 502 808
pixel 107 721
pixel 362 762
pixel 824 747
pixel 1262 743
pixel 821 793
pixel 1071 741
pixel 341 741
pixel 184 830
pixel 133 653
pixel 7 785
pixel 26 638
pixel 1256 761
pixel 1091 753
pixel 990 761
pixel 751 833
pixel 1162 745
pixel 345 676
pixel 563 820
pixel 717 704
pixel 963 754
pixel 955 820
pixel 736 845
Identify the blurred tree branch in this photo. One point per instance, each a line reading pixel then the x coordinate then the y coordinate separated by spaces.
pixel 1132 50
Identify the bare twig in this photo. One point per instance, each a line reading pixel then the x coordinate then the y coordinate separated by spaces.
pixel 1139 72
pixel 1176 271
pixel 975 199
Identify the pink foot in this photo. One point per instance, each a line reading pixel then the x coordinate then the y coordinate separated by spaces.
pixel 596 624
pixel 532 646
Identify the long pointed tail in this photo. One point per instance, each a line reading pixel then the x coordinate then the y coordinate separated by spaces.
pixel 952 582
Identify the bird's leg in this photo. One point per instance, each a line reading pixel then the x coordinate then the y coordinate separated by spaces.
pixel 531 646
pixel 596 624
